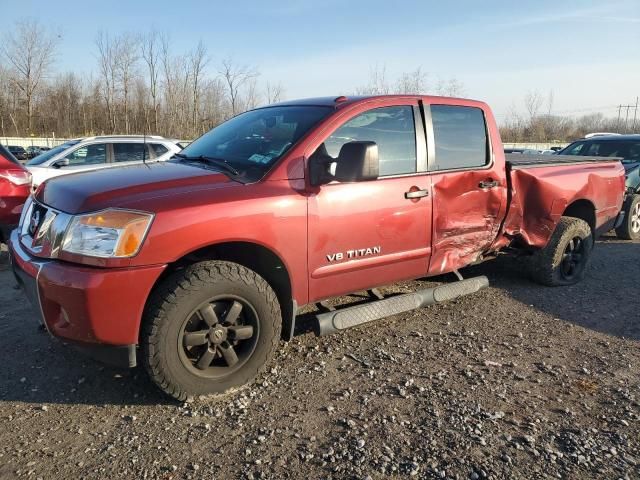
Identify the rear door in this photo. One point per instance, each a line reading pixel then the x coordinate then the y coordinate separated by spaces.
pixel 469 188
pixel 365 234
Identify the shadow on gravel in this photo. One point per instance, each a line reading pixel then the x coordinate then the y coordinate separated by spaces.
pixel 37 369
pixel 607 301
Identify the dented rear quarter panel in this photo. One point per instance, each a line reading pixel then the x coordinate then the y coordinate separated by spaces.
pixel 541 194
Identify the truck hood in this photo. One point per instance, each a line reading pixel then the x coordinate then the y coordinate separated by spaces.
pixel 125 186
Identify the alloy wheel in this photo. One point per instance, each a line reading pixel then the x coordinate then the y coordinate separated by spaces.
pixel 572 258
pixel 218 337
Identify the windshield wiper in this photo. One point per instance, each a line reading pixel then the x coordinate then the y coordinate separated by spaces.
pixel 218 162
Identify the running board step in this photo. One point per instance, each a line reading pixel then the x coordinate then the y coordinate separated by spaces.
pixel 330 322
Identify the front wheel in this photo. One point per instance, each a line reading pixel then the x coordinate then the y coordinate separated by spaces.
pixel 209 328
pixel 565 259
pixel 630 228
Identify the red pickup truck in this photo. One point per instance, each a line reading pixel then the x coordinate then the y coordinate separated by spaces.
pixel 196 267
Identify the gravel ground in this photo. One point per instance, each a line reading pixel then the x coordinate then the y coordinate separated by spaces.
pixel 518 381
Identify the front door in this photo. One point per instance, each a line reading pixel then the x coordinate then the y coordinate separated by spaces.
pixel 371 233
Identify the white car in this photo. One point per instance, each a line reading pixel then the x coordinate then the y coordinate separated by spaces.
pixel 94 153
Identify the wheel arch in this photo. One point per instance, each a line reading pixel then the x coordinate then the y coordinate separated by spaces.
pixel 262 260
pixel 584 210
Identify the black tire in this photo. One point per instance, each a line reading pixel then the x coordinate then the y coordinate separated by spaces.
pixel 565 259
pixel 630 228
pixel 180 311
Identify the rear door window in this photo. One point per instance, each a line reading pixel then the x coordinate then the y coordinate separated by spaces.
pixel 94 154
pixel 624 149
pixel 129 152
pixel 460 137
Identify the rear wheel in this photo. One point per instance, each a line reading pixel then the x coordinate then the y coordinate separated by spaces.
pixel 630 228
pixel 210 328
pixel 565 259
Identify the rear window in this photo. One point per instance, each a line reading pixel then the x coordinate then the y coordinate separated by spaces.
pixel 159 149
pixel 460 137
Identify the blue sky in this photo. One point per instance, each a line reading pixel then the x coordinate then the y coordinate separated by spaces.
pixel 587 53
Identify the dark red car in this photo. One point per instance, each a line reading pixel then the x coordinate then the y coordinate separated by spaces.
pixel 196 266
pixel 15 187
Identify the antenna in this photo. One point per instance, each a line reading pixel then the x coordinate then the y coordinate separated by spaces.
pixel 144 144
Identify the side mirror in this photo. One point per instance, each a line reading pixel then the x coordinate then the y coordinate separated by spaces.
pixel 358 162
pixel 63 162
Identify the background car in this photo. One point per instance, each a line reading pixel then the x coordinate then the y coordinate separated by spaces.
pixel 626 147
pixel 94 153
pixel 33 151
pixel 18 152
pixel 15 188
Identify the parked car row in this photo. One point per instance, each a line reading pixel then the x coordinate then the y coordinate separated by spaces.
pixel 95 153
pixel 17 181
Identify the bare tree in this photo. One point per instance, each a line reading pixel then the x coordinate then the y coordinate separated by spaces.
pixel 414 82
pixel 235 77
pixel 450 87
pixel 198 59
pixel 29 48
pixel 107 60
pixel 150 54
pixel 377 84
pixel 252 96
pixel 533 101
pixel 274 93
pixel 126 62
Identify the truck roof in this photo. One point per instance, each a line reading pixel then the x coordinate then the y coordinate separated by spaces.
pixel 344 100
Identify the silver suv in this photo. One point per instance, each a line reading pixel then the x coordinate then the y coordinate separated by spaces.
pixel 94 153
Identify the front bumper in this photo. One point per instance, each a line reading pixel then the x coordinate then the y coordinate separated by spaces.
pixel 96 309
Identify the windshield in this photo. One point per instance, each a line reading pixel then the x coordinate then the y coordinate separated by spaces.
pixel 628 150
pixel 44 156
pixel 253 141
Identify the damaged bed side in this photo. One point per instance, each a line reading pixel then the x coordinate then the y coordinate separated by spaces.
pixel 542 189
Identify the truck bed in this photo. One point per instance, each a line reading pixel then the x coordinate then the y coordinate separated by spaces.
pixel 543 187
pixel 519 160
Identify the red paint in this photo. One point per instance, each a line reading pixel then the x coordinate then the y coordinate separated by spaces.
pixel 456 224
pixel 12 195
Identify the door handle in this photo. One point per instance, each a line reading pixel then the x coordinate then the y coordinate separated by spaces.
pixel 489 184
pixel 411 194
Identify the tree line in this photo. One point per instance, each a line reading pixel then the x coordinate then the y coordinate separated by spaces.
pixel 140 85
pixel 538 123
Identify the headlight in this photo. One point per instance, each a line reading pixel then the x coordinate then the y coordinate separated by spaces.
pixel 107 234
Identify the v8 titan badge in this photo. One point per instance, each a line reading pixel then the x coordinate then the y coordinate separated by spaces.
pixel 349 254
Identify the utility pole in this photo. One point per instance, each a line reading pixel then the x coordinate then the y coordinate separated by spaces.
pixel 626 119
pixel 628 108
pixel 618 122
